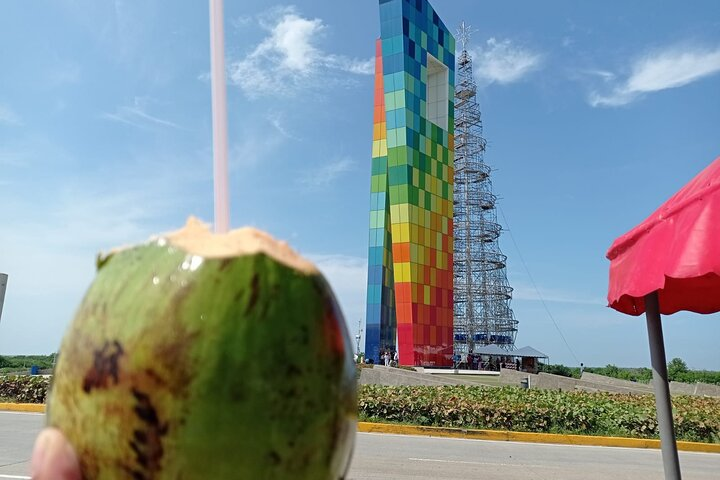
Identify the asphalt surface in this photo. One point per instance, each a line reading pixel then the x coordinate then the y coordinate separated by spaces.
pixel 400 457
pixel 17 433
pixel 412 457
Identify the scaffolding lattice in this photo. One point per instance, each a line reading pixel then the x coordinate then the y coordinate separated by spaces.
pixel 482 293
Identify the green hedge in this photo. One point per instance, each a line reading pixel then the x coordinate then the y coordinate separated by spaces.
pixel 509 408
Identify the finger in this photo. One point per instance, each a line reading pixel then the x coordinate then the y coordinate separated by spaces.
pixel 54 458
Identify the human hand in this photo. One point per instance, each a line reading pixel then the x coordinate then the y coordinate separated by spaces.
pixel 54 458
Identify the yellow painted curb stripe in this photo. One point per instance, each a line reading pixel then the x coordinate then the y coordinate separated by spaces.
pixel 23 407
pixel 498 435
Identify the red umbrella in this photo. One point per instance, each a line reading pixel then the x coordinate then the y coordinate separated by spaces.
pixel 670 262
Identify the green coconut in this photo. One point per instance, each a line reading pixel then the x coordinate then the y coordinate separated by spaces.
pixel 203 356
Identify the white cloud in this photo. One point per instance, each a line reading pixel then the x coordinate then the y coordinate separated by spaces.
pixel 241 21
pixel 501 61
pixel 327 173
pixel 361 67
pixel 49 253
pixel 49 240
pixel 9 117
pixel 256 144
pixel 604 75
pixel 670 68
pixel 50 258
pixel 289 58
pixel 137 116
pixel 277 120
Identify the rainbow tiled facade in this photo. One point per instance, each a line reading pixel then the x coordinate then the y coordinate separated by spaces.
pixel 410 299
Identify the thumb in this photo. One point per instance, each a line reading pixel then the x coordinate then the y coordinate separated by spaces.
pixel 54 458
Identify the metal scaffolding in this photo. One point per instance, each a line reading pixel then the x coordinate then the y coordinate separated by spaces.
pixel 482 294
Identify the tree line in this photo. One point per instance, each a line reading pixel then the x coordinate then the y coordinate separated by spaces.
pixel 18 362
pixel 678 371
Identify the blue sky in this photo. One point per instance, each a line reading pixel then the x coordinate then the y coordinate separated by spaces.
pixel 595 113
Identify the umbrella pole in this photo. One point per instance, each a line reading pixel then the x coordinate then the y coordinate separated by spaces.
pixel 671 463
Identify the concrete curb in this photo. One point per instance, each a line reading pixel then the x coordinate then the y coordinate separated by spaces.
pixel 23 407
pixel 528 437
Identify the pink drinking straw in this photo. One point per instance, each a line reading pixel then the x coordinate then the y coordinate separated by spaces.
pixel 219 117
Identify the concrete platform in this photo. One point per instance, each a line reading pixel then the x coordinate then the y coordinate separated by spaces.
pixel 451 371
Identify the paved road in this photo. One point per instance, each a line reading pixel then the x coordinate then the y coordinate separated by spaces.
pixel 408 457
pixel 401 457
pixel 17 432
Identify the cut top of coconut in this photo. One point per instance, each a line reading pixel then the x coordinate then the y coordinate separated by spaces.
pixel 196 238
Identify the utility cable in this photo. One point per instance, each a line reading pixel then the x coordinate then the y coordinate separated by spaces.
pixel 532 281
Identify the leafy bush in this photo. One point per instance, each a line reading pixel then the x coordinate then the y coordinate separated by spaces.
pixel 508 408
pixel 642 375
pixel 24 389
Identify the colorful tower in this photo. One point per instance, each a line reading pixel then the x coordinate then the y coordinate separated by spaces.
pixel 410 259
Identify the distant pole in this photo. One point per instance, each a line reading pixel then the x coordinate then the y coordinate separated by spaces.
pixel 219 116
pixel 358 337
pixel 3 286
pixel 668 447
